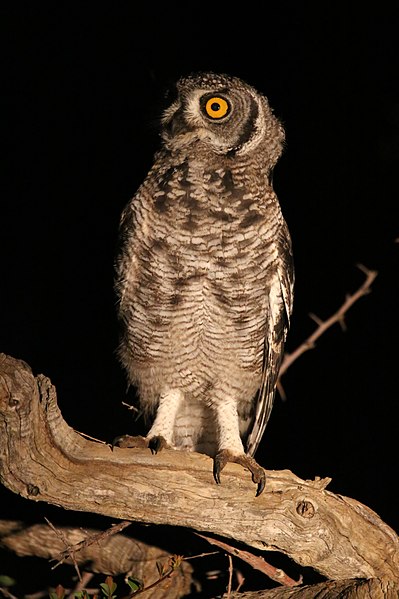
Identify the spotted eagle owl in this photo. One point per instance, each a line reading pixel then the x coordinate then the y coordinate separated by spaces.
pixel 205 275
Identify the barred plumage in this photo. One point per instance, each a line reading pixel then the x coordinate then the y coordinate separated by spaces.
pixel 205 274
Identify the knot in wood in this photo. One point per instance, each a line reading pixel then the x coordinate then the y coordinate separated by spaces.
pixel 33 490
pixel 305 509
pixel 13 401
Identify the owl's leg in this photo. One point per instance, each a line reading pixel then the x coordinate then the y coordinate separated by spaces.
pixel 160 434
pixel 230 445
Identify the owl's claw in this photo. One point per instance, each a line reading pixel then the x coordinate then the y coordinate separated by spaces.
pixel 217 468
pixel 157 443
pixel 261 483
pixel 224 456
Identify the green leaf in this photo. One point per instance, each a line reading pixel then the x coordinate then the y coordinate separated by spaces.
pixel 58 593
pixel 108 587
pixel 7 581
pixel 135 585
pixel 160 568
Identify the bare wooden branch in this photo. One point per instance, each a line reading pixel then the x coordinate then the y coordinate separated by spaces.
pixel 70 550
pixel 117 554
pixel 323 325
pixel 258 563
pixel 230 576
pixel 43 459
pixel 335 589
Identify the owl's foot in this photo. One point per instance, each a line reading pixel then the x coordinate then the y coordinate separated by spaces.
pixel 224 456
pixel 155 443
pixel 130 441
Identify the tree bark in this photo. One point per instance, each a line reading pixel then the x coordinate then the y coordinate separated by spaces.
pixel 335 589
pixel 43 459
pixel 116 554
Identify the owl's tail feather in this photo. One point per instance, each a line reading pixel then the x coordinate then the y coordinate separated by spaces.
pixel 273 353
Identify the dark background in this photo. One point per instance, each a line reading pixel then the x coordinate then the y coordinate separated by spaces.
pixel 81 100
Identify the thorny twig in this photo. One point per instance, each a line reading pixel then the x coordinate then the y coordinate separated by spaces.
pixel 323 325
pixel 230 576
pixel 201 555
pixel 70 553
pixel 258 563
pixel 71 550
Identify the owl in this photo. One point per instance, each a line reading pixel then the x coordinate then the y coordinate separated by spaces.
pixel 204 277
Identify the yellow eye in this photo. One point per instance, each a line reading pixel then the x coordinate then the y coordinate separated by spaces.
pixel 216 107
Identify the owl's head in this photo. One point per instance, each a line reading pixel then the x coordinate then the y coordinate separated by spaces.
pixel 224 114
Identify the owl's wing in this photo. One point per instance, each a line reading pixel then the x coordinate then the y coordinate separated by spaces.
pixel 278 319
pixel 124 270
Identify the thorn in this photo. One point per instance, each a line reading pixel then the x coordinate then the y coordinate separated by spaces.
pixel 363 268
pixel 281 392
pixel 315 318
pixel 367 271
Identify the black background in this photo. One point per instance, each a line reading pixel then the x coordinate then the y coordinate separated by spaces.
pixel 82 94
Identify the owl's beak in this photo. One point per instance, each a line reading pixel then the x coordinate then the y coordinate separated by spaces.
pixel 177 124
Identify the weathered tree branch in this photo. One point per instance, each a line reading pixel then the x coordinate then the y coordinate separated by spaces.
pixel 43 459
pixel 116 554
pixel 257 562
pixel 334 589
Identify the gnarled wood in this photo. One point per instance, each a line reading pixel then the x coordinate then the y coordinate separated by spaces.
pixel 116 554
pixel 43 459
pixel 334 589
pixel 121 554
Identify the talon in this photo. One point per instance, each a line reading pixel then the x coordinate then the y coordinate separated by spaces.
pixel 217 468
pixel 157 443
pixel 219 462
pixel 261 485
pixel 258 474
